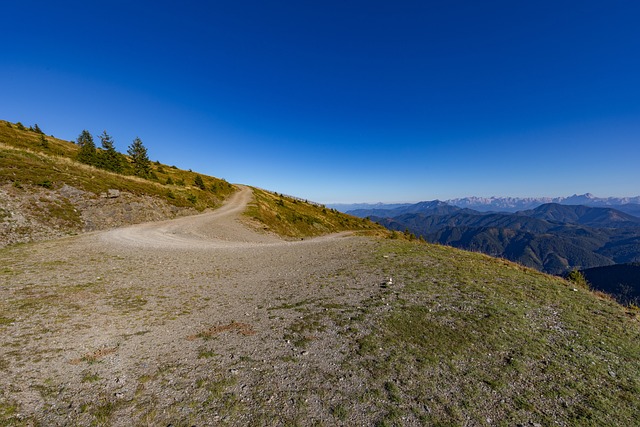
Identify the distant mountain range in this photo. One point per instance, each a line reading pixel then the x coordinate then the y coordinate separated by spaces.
pixel 552 237
pixel 630 205
pixel 514 204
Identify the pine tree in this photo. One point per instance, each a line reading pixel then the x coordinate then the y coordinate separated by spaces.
pixel 43 141
pixel 199 183
pixel 110 158
pixel 87 153
pixel 141 163
pixel 37 129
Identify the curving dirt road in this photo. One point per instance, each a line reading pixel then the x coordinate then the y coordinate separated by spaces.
pixel 183 320
pixel 216 229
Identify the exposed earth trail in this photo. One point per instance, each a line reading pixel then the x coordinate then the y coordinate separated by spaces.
pixel 217 229
pixel 195 321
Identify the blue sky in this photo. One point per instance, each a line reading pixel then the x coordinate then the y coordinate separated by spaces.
pixel 343 101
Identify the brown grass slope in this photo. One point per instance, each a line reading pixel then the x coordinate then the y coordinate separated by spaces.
pixel 296 218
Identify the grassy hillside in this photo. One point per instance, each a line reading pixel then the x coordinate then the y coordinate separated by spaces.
pixel 31 158
pixel 291 217
pixel 473 340
pixel 32 162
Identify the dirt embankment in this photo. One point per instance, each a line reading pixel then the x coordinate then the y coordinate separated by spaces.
pixel 32 213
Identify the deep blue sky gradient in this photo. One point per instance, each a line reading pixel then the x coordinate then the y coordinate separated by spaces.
pixel 344 101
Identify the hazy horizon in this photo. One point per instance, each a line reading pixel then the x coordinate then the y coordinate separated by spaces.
pixel 482 197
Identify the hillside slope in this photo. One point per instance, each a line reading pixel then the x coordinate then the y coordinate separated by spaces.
pixel 45 193
pixel 583 215
pixel 620 280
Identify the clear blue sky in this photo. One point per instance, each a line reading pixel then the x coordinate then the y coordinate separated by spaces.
pixel 343 101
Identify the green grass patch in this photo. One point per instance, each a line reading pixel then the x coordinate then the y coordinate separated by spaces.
pixel 469 335
pixel 6 321
pixel 90 378
pixel 206 354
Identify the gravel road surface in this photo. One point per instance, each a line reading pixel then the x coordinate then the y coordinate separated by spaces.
pixel 194 321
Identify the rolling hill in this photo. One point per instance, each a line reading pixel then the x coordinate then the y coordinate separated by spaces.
pixel 583 215
pixel 552 238
pixel 620 280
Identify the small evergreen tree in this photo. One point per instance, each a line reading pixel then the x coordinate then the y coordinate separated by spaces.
pixel 43 141
pixel 577 278
pixel 87 153
pixel 110 158
pixel 141 163
pixel 199 183
pixel 37 129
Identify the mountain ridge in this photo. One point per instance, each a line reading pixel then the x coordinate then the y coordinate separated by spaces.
pixel 630 205
pixel 553 238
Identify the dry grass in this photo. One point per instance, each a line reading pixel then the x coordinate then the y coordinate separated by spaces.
pixel 239 328
pixel 94 356
pixel 295 218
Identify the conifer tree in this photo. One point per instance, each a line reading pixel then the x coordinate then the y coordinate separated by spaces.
pixel 43 141
pixel 111 159
pixel 141 163
pixel 199 183
pixel 87 153
pixel 37 129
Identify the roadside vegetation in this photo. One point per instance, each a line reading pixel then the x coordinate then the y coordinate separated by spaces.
pixel 295 218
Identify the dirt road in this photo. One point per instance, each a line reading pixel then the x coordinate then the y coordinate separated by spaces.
pixel 218 229
pixel 194 321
